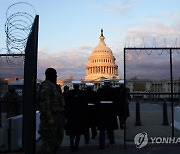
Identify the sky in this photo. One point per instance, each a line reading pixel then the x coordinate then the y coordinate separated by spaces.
pixel 70 29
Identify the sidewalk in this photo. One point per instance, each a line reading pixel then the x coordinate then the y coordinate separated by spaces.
pixel 170 149
pixel 151 123
pixel 131 149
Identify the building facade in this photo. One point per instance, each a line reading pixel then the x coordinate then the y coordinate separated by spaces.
pixel 157 87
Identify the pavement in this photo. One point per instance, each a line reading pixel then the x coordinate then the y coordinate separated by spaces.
pixel 171 149
pixel 151 123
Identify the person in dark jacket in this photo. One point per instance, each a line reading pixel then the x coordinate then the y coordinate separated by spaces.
pixel 65 94
pixel 90 98
pixel 122 105
pixel 75 110
pixel 106 117
pixel 66 90
pixel 11 98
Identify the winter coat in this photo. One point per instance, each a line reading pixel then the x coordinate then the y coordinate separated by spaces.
pixel 106 116
pixel 75 110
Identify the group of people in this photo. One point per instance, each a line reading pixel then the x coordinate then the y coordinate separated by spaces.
pixel 76 111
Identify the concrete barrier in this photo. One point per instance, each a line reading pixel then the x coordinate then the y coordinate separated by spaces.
pixel 12 133
pixel 177 117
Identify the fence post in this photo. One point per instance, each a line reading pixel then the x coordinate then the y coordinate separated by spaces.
pixel 9 135
pixel 165 116
pixel 0 115
pixel 138 121
pixel 29 91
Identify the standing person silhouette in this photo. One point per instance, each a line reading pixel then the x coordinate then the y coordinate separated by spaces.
pixel 90 98
pixel 106 116
pixel 122 105
pixel 75 110
pixel 11 98
pixel 51 107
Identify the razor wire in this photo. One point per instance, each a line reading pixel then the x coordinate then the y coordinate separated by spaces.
pixel 132 42
pixel 19 20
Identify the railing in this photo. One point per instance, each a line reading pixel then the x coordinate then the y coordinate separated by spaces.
pixel 155 96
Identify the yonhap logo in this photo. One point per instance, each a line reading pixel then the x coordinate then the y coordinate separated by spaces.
pixel 141 140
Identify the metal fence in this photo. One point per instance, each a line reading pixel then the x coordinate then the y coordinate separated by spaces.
pixel 163 95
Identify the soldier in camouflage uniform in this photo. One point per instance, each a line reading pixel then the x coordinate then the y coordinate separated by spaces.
pixel 51 107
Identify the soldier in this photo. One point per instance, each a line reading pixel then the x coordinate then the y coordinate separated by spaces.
pixel 91 103
pixel 51 107
pixel 106 117
pixel 75 116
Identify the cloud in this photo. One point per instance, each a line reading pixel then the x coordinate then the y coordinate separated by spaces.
pixel 70 62
pixel 153 32
pixel 121 8
pixel 11 67
pixel 153 66
pixel 156 31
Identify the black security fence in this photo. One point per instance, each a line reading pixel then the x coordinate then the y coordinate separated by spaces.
pixel 153 80
pixel 18 63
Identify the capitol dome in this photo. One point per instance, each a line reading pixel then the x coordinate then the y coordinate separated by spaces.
pixel 101 63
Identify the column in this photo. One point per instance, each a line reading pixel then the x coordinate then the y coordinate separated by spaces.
pixel 86 71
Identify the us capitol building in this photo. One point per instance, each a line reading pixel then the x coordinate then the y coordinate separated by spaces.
pixel 101 63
